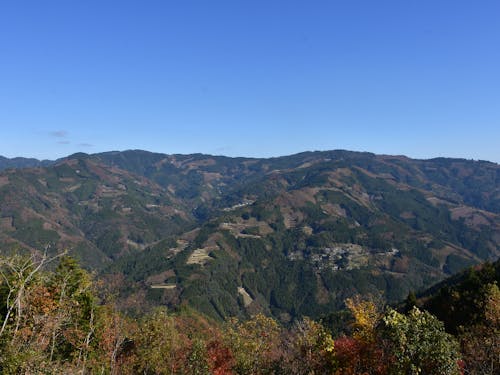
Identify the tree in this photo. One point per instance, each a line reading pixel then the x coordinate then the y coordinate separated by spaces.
pixel 18 274
pixel 411 301
pixel 197 361
pixel 74 318
pixel 308 349
pixel 254 344
pixel 419 344
pixel 366 317
pixel 158 343
pixel 481 342
pixel 113 343
pixel 220 357
pixel 362 353
pixel 27 308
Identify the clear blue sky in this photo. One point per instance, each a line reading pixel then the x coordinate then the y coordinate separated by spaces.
pixel 250 78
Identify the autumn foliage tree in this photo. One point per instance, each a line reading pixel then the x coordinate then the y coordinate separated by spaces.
pixel 254 344
pixel 363 353
pixel 308 348
pixel 47 317
pixel 419 344
pixel 480 342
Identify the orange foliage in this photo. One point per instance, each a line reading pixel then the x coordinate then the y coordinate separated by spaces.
pixel 220 358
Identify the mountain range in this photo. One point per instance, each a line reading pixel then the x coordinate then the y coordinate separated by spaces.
pixel 290 236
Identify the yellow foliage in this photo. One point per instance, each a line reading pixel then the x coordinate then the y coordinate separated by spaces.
pixel 366 315
pixel 253 342
pixel 492 306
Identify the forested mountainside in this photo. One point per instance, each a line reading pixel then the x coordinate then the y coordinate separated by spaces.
pixel 289 236
pixel 6 163
pixel 97 212
pixel 474 183
pixel 464 295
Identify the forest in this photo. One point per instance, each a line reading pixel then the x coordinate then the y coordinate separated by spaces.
pixel 286 237
pixel 58 318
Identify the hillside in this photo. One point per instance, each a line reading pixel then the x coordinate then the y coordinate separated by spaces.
pixel 464 294
pixel 6 163
pixel 474 183
pixel 290 236
pixel 97 212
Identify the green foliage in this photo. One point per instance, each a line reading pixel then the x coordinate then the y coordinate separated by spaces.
pixel 157 343
pixel 456 263
pixel 254 344
pixel 463 295
pixel 197 363
pixel 110 243
pixel 419 344
pixel 32 233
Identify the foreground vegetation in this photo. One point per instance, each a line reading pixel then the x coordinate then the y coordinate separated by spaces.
pixel 56 319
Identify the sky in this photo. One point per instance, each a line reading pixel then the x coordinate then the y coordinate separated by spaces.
pixel 250 78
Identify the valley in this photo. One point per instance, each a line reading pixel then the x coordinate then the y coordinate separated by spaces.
pixel 290 236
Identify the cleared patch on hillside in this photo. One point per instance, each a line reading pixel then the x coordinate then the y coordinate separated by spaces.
pixel 163 286
pixel 334 209
pixel 200 256
pixel 72 188
pixel 135 245
pixel 473 217
pixel 181 245
pixel 211 176
pixel 6 223
pixel 247 228
pixel 160 278
pixel 407 215
pixel 322 294
pixel 4 180
pixel 247 299
pixel 435 201
pixel 450 249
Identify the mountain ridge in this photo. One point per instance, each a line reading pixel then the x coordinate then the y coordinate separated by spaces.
pixel 29 162
pixel 292 235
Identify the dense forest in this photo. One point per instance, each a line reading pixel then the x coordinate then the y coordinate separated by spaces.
pixel 286 237
pixel 58 318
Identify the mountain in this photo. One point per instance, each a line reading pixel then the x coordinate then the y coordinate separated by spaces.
pixel 96 211
pixel 475 183
pixel 6 163
pixel 290 236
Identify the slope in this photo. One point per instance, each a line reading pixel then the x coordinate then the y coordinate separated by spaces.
pixel 300 239
pixel 97 212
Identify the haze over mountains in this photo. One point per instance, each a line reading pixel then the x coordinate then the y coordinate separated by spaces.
pixel 291 236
